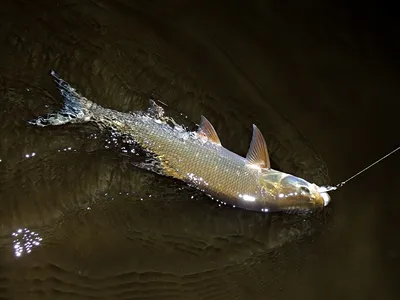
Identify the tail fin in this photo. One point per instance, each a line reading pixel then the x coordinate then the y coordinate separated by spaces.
pixel 76 108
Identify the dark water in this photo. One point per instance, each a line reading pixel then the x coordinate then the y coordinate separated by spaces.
pixel 77 221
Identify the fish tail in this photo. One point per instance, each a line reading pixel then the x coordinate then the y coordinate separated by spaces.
pixel 75 109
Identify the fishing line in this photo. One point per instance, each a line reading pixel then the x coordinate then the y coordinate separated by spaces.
pixel 333 188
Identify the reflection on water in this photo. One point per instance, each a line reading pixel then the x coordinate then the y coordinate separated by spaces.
pixel 30 155
pixel 24 241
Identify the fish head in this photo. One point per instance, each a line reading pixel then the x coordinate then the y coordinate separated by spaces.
pixel 291 192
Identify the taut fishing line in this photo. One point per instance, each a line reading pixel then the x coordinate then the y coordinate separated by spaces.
pixel 328 188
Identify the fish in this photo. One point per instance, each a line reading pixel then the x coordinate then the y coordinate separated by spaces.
pixel 197 157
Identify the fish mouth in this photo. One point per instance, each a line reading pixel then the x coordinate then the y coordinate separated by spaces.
pixel 326 198
pixel 323 191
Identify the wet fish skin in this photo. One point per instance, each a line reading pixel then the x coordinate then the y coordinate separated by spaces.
pixel 197 158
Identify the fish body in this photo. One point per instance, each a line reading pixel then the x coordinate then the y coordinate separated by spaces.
pixel 196 158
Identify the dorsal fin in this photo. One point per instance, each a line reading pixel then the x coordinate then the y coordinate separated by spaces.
pixel 258 152
pixel 207 130
pixel 155 110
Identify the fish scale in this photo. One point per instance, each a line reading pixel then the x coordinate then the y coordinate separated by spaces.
pixel 200 163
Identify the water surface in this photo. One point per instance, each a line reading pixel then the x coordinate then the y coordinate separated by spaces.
pixel 78 221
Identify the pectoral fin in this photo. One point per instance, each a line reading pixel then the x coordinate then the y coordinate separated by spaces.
pixel 258 152
pixel 207 130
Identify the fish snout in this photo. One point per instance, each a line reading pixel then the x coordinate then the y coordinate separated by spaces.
pixel 322 194
pixel 326 198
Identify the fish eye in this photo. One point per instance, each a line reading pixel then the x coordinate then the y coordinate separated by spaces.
pixel 305 189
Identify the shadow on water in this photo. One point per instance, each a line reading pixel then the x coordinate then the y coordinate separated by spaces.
pixel 78 221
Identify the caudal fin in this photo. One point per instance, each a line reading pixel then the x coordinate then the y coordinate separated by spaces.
pixel 76 108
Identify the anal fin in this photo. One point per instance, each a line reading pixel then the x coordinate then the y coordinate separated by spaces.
pixel 167 169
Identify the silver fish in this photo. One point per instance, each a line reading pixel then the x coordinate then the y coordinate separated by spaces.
pixel 197 157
